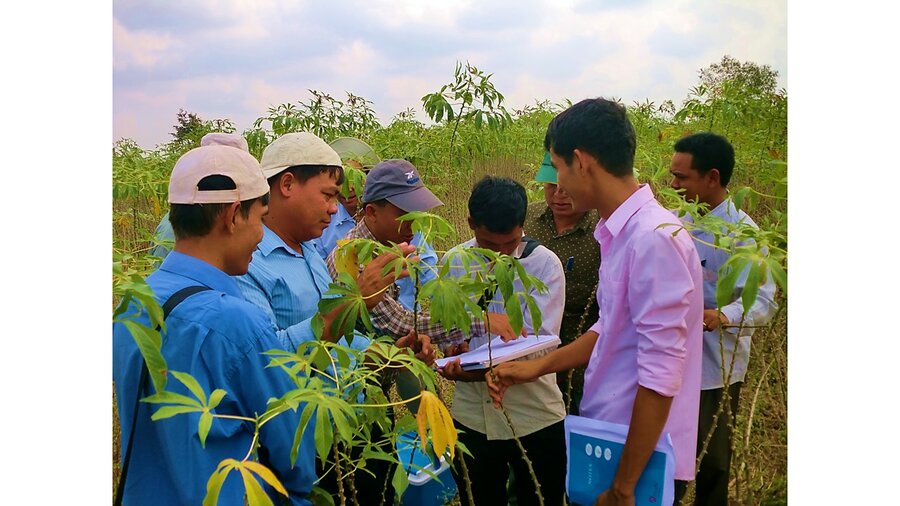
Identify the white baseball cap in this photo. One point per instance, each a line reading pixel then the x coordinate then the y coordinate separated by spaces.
pixel 223 139
pixel 213 160
pixel 298 148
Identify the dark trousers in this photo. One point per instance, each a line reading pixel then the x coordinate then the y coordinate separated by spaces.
pixel 488 467
pixel 712 478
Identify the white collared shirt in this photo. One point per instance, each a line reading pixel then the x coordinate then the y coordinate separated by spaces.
pixel 531 406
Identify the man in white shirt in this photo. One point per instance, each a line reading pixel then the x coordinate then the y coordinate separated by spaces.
pixel 497 208
pixel 702 166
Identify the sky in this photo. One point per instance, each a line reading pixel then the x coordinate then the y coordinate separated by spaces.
pixel 236 58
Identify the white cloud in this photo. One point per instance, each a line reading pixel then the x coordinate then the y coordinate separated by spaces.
pixel 139 49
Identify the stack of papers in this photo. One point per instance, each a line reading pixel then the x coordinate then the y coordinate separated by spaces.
pixel 501 351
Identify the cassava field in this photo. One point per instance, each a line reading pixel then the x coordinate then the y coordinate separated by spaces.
pixel 466 132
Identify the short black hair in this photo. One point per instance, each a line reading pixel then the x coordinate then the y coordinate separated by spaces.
pixel 196 220
pixel 596 126
pixel 709 151
pixel 305 172
pixel 498 203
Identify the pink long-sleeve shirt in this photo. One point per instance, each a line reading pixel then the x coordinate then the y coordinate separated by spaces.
pixel 651 321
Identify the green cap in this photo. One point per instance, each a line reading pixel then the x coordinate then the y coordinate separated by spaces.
pixel 546 174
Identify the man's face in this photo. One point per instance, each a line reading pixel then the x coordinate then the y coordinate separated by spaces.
pixel 558 200
pixel 315 203
pixel 570 182
pixel 385 226
pixel 501 243
pixel 695 186
pixel 350 202
pixel 248 232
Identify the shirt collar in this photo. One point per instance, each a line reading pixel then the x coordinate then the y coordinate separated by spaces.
pixel 617 220
pixel 342 214
pixel 270 242
pixel 362 231
pixel 724 208
pixel 201 272
pixel 582 223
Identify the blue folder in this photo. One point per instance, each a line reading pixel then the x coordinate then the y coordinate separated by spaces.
pixel 594 449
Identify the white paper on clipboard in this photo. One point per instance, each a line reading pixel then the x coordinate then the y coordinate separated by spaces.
pixel 501 351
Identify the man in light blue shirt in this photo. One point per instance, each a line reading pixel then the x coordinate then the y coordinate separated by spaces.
pixel 288 277
pixel 218 197
pixel 702 166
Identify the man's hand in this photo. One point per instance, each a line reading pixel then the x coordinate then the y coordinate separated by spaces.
pixel 421 346
pixel 456 349
pixel 712 318
pixel 372 283
pixel 454 371
pixel 611 498
pixel 510 373
pixel 499 324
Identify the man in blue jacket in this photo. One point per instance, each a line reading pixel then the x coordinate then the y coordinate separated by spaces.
pixel 218 196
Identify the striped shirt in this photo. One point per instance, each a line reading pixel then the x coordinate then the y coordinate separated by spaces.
pixel 389 315
pixel 287 286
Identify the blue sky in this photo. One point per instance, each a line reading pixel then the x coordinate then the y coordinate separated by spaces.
pixel 235 58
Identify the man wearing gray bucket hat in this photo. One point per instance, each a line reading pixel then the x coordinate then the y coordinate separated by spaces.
pixel 394 188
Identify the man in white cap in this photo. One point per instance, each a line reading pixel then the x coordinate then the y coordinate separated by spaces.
pixel 288 278
pixel 164 235
pixel 218 197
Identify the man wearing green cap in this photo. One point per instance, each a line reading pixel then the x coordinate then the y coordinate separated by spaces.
pixel 569 234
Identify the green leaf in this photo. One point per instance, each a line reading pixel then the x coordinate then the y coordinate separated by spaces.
pixel 308 411
pixel 755 277
pixel 728 275
pixel 149 344
pixel 166 397
pixel 170 411
pixel 400 480
pixel 216 397
pixel 323 432
pixel 778 274
pixel 320 497
pixel 192 385
pixel 203 428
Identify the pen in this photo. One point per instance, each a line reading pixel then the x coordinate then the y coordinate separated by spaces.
pixel 569 263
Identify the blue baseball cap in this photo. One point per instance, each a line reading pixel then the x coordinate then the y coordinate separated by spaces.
pixel 398 182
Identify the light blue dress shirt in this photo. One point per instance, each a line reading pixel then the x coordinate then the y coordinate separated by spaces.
pixel 218 338
pixel 288 286
pixel 762 310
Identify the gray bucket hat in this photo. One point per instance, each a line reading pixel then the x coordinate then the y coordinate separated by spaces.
pixel 399 183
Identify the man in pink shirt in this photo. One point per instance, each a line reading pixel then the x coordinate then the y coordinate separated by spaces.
pixel 643 355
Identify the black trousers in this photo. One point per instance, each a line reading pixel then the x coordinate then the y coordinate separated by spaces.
pixel 712 477
pixel 488 468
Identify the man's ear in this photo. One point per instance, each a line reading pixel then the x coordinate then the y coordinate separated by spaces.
pixel 370 210
pixel 581 162
pixel 229 216
pixel 715 177
pixel 286 182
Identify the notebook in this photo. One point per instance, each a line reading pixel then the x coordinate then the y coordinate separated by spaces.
pixel 501 351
